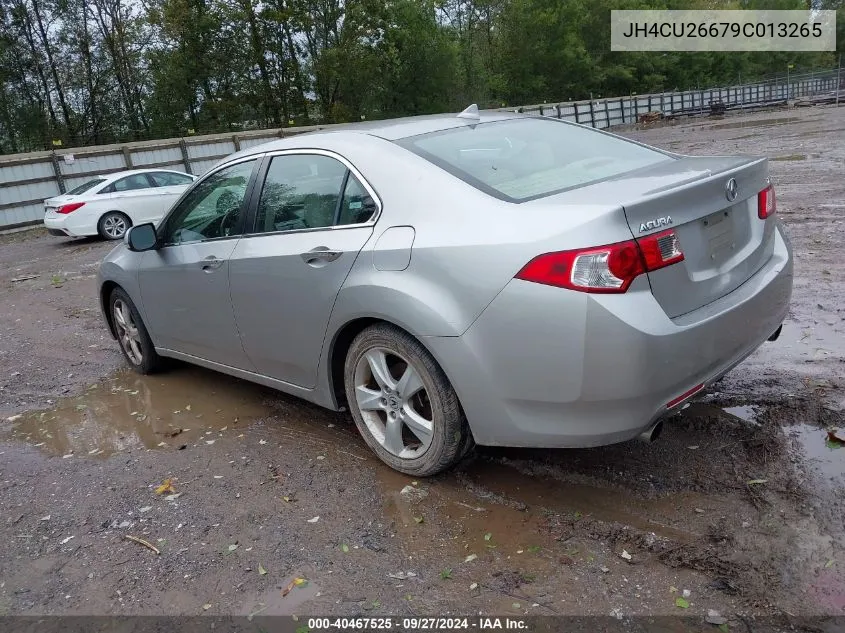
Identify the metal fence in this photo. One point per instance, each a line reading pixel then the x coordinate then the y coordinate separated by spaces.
pixel 27 179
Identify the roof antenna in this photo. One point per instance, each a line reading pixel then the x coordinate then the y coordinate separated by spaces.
pixel 470 113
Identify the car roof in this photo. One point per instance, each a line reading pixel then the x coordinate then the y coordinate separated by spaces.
pixel 128 172
pixel 389 129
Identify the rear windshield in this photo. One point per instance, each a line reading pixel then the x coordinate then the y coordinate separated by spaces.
pixel 85 186
pixel 523 159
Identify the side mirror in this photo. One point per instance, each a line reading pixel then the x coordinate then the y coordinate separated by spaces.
pixel 141 238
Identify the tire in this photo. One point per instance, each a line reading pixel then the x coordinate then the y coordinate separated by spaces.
pixel 113 225
pixel 138 350
pixel 391 382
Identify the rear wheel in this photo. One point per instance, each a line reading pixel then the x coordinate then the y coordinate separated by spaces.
pixel 402 402
pixel 135 342
pixel 113 225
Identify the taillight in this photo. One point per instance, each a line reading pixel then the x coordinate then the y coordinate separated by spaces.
pixel 69 208
pixel 766 205
pixel 604 269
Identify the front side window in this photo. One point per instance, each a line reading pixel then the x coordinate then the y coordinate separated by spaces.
pixel 213 208
pixel 169 179
pixel 522 159
pixel 85 186
pixel 301 191
pixel 130 183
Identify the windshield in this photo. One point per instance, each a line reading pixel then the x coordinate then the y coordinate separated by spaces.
pixel 522 159
pixel 85 186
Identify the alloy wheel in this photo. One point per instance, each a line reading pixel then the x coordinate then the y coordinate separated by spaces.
pixel 114 226
pixel 127 332
pixel 394 403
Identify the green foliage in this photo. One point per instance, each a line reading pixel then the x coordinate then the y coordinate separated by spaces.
pixel 101 71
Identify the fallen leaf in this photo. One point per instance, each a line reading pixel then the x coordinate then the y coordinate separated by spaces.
pixel 296 582
pixel 67 539
pixel 681 603
pixel 488 536
pixel 470 558
pixel 68 455
pixel 261 569
pixel 836 436
pixel 233 547
pixel 209 441
pixel 206 607
pixel 516 605
pixel 519 551
pixel 625 555
pixel 829 564
pixel 262 442
pixel 166 486
pixel 752 482
pixel 419 519
pixel 473 586
pixel 288 499
pixel 344 548
pixel 314 520
pixel 187 407
pixel 145 509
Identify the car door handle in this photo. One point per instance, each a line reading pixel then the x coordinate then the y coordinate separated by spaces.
pixel 321 253
pixel 211 263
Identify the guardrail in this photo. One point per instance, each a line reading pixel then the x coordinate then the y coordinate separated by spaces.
pixel 27 179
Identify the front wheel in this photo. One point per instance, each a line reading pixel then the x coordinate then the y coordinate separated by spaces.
pixel 113 225
pixel 135 342
pixel 403 404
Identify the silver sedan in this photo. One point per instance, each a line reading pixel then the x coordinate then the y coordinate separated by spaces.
pixel 499 279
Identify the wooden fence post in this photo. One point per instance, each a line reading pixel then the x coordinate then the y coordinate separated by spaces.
pixel 127 157
pixel 592 115
pixel 57 171
pixel 185 158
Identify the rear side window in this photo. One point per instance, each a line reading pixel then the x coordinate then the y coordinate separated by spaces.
pixel 523 159
pixel 85 186
pixel 130 183
pixel 169 179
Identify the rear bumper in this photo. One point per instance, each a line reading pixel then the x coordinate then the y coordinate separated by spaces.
pixel 61 226
pixel 546 367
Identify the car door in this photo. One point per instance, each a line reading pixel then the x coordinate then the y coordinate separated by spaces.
pixel 313 215
pixel 185 283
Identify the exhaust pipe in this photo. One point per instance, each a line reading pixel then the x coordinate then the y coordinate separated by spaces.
pixel 652 433
pixel 776 333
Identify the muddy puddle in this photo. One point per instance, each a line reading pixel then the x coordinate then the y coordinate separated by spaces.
pixel 130 412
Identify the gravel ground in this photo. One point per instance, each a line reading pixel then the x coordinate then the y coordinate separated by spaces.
pixel 739 504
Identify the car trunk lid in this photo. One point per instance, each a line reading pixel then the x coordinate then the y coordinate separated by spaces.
pixel 711 204
pixel 724 241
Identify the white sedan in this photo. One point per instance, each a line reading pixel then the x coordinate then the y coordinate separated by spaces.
pixel 109 205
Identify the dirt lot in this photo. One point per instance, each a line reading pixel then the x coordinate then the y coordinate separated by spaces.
pixel 738 508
